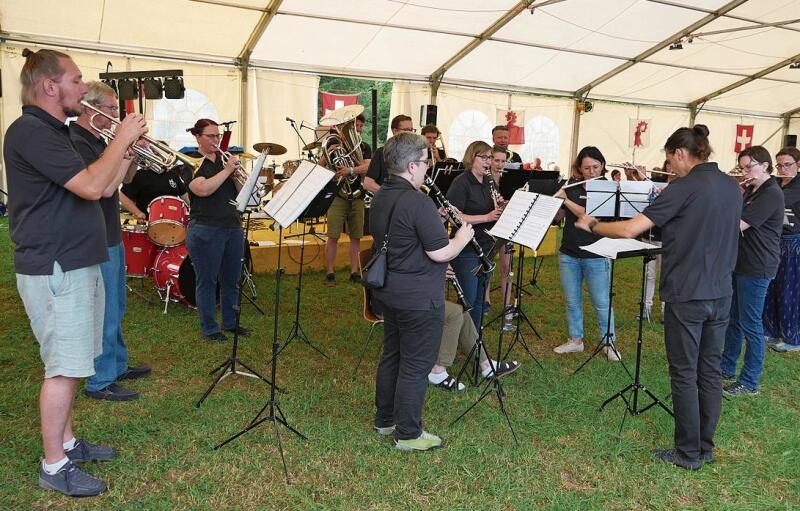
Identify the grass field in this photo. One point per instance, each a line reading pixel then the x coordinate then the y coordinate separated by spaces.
pixel 569 455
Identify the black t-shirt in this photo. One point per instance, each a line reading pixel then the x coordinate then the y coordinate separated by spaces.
pixel 472 197
pixel 47 222
pixel 366 150
pixel 440 154
pixel 413 280
pixel 699 219
pixel 791 198
pixel 377 167
pixel 216 209
pixel 572 238
pixel 147 185
pixel 91 149
pixel 760 244
pixel 515 158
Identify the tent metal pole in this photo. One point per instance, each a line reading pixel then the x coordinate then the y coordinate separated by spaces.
pixel 576 129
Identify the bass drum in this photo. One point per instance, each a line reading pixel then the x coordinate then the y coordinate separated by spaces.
pixel 173 269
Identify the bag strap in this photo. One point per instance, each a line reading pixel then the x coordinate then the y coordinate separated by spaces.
pixel 389 222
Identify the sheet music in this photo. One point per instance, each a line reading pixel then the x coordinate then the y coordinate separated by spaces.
pixel 600 199
pixel 526 218
pixel 245 196
pixel 634 197
pixel 610 248
pixel 297 193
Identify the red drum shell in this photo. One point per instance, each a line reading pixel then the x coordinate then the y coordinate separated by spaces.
pixel 169 218
pixel 139 251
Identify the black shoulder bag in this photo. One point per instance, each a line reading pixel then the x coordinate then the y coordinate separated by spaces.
pixel 374 272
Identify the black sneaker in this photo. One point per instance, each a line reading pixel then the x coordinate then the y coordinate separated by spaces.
pixel 728 378
pixel 113 392
pixel 86 451
pixel 707 457
pixel 71 481
pixel 216 336
pixel 355 278
pixel 672 457
pixel 330 279
pixel 737 389
pixel 134 372
pixel 243 332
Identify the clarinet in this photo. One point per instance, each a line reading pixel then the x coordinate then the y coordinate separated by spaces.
pixel 487 264
pixel 460 293
pixel 493 191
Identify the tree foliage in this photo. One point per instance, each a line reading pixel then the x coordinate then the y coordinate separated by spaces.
pixel 344 85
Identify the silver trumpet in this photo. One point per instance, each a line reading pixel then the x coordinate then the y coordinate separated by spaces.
pixel 157 156
pixel 239 174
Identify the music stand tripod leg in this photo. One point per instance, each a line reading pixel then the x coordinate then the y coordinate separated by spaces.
pixel 520 316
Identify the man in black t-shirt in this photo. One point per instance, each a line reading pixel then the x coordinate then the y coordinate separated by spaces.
pixel 378 172
pixel 500 138
pixel 112 364
pixel 57 228
pixel 146 185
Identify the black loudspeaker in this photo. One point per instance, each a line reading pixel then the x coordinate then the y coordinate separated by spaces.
pixel 427 114
pixel 791 141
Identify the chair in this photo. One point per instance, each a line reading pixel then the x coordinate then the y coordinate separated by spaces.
pixel 369 315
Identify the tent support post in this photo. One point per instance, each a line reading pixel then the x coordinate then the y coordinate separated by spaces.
pixel 576 128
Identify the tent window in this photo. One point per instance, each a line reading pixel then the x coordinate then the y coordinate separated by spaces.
pixel 171 118
pixel 542 141
pixel 468 126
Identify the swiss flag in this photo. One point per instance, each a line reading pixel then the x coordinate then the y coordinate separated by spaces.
pixel 331 102
pixel 744 137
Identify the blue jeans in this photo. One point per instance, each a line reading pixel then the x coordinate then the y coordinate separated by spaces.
pixel 746 308
pixel 596 272
pixel 474 285
pixel 216 254
pixel 110 364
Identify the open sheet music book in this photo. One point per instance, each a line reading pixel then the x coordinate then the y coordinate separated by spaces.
pixel 611 248
pixel 526 218
pixel 246 196
pixel 297 193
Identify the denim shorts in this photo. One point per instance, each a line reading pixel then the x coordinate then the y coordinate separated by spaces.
pixel 65 310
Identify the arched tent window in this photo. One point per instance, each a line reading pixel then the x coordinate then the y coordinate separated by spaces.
pixel 542 141
pixel 468 126
pixel 171 118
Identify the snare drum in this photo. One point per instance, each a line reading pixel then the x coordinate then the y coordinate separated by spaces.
pixel 169 219
pixel 289 167
pixel 139 251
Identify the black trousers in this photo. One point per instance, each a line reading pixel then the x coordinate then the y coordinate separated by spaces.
pixel 410 346
pixel 694 334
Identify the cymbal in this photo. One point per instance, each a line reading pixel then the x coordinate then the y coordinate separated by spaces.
pixel 272 148
pixel 247 156
pixel 312 146
pixel 340 115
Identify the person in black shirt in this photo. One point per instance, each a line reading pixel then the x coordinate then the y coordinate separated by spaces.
pixel 782 305
pixel 500 138
pixel 146 185
pixel 412 298
pixel 378 171
pixel 215 240
pixel 756 264
pixel 432 134
pixel 57 228
pixel 470 194
pixel 699 214
pixel 111 365
pixel 576 265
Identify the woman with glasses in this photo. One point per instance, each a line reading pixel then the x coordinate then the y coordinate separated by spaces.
pixel 215 239
pixel 782 305
pixel 756 264
pixel 576 265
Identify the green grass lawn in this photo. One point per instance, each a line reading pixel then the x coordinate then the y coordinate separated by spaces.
pixel 569 455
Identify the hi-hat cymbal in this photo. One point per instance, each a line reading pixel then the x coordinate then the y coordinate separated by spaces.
pixel 272 148
pixel 340 115
pixel 312 146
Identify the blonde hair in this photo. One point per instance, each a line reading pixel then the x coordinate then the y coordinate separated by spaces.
pixel 39 65
pixel 96 92
pixel 474 149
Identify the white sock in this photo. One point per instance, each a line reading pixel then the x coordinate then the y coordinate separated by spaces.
pixel 437 378
pixel 488 370
pixel 55 467
pixel 70 444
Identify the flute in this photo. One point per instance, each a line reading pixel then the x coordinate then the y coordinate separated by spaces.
pixel 487 264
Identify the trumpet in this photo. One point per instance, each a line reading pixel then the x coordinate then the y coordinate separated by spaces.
pixel 239 175
pixel 158 157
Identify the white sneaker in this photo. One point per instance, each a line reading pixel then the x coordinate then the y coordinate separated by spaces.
pixel 613 356
pixel 571 346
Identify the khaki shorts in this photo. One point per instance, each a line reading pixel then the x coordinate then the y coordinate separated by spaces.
pixel 66 310
pixel 351 212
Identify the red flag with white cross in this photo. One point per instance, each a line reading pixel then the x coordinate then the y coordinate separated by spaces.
pixel 744 137
pixel 332 101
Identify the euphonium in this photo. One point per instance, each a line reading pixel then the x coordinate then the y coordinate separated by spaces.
pixel 345 151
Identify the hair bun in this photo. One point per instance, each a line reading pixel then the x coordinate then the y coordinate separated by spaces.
pixel 701 129
pixel 27 53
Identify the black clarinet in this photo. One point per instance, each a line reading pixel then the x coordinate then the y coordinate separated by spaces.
pixel 487 264
pixel 460 293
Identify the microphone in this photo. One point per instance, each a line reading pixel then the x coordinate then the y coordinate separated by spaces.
pixel 289 119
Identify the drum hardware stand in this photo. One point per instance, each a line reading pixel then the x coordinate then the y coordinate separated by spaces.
pixel 491 384
pixel 228 367
pixel 272 407
pixel 632 401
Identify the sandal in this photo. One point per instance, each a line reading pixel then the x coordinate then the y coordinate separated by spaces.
pixel 504 368
pixel 450 383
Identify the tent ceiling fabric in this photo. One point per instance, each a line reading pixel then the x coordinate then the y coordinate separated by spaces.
pixel 558 46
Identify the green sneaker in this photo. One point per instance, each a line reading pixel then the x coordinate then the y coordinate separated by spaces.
pixel 424 442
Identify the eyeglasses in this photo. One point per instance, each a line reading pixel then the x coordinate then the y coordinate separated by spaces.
pixel 785 165
pixel 426 162
pixel 409 130
pixel 746 168
pixel 211 135
pixel 484 156
pixel 111 108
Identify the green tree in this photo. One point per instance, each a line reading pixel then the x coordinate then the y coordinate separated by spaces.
pixel 344 85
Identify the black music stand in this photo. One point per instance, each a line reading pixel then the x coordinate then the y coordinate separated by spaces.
pixel 445 173
pixel 318 207
pixel 632 401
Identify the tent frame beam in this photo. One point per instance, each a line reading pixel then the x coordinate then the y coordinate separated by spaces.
pixel 709 11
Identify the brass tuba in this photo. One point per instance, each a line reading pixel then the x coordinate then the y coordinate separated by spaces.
pixel 342 148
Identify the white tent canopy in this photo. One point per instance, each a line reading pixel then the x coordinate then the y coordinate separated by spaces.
pixel 264 56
